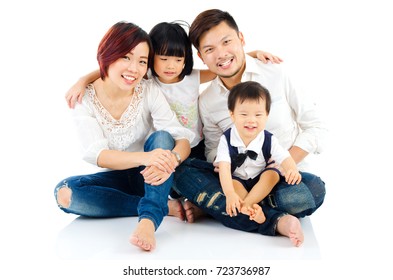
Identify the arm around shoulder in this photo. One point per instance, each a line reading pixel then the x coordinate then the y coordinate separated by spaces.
pixel 76 92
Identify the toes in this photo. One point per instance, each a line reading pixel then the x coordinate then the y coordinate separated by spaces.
pixel 143 244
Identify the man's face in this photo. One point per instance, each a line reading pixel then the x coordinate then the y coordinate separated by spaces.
pixel 221 49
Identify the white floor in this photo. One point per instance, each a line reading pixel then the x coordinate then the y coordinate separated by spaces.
pixel 87 239
pixel 340 50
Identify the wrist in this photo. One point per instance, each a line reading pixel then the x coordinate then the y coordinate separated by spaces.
pixel 177 156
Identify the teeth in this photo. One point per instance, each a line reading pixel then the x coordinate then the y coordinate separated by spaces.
pixel 129 78
pixel 225 63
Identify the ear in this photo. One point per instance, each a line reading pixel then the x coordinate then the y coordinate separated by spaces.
pixel 200 56
pixel 241 37
pixel 232 116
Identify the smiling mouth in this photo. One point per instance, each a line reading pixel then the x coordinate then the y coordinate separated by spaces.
pixel 129 78
pixel 250 127
pixel 225 63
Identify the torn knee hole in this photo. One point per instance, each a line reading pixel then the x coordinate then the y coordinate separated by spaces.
pixel 201 197
pixel 213 199
pixel 64 197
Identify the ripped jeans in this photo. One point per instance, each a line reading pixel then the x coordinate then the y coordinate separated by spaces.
pixel 121 193
pixel 196 180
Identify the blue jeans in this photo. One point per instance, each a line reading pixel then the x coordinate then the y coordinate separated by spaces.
pixel 121 193
pixel 196 180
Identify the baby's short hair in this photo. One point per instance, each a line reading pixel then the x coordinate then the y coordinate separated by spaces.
pixel 249 90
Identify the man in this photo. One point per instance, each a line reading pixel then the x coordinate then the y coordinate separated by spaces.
pixel 293 120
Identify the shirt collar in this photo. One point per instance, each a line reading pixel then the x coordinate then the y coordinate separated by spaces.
pixel 255 145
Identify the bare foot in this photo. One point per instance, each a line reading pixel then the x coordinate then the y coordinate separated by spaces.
pixel 290 226
pixel 176 209
pixel 192 211
pixel 143 235
pixel 256 214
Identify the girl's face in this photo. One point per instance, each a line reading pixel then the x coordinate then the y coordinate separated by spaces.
pixel 249 118
pixel 168 68
pixel 128 71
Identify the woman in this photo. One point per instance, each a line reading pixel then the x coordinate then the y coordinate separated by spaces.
pixel 121 123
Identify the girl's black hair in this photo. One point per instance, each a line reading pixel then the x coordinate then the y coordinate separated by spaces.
pixel 170 39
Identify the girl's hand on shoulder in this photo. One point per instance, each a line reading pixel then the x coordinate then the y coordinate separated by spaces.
pixel 75 94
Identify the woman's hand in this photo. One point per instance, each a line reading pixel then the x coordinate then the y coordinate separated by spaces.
pixel 162 159
pixel 154 176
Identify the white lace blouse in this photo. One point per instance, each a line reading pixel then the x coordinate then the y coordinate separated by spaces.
pixel 148 111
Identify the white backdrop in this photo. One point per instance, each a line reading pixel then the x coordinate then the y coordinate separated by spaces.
pixel 340 51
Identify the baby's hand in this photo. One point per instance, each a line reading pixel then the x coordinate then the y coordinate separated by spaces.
pixel 233 204
pixel 293 177
pixel 216 167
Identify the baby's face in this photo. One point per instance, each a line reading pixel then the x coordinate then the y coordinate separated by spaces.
pixel 249 118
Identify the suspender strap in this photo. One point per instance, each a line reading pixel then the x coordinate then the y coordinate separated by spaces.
pixel 266 147
pixel 232 150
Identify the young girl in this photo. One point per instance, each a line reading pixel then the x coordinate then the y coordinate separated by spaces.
pixel 172 69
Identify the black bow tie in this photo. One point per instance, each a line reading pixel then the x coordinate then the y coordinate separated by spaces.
pixel 240 158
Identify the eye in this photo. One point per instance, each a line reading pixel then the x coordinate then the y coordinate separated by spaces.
pixel 126 57
pixel 226 42
pixel 208 50
pixel 144 62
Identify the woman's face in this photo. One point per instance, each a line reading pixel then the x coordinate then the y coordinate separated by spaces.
pixel 128 71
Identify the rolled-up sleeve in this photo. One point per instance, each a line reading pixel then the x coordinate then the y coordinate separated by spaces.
pixel 90 134
pixel 312 128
